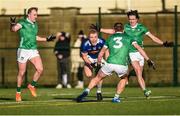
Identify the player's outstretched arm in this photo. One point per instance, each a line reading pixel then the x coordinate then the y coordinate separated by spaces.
pixel 98 29
pixel 38 38
pixel 158 41
pixel 48 38
pixel 143 53
pixel 107 31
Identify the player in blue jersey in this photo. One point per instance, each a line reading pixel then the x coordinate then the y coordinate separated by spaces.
pixel 89 51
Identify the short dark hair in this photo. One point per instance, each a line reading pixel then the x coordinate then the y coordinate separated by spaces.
pixel 32 8
pixel 63 34
pixel 133 12
pixel 118 27
pixel 92 31
pixel 81 32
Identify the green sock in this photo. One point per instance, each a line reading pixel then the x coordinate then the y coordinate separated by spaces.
pixel 18 89
pixel 144 90
pixel 33 83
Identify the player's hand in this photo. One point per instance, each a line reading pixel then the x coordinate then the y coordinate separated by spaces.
pixel 51 37
pixel 93 65
pixel 98 66
pixel 168 44
pixel 12 21
pixel 151 64
pixel 95 27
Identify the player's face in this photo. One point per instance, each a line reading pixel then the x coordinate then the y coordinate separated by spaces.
pixel 62 38
pixel 93 37
pixel 132 20
pixel 32 16
pixel 80 36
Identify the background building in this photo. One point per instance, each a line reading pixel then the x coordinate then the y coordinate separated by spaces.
pixel 87 6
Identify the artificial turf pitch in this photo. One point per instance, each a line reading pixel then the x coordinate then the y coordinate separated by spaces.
pixel 51 101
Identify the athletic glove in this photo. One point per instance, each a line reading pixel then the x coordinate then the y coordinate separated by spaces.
pixel 168 44
pixel 151 64
pixel 95 27
pixel 51 37
pixel 93 65
pixel 12 21
pixel 98 67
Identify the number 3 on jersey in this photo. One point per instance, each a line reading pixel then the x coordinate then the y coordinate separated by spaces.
pixel 118 43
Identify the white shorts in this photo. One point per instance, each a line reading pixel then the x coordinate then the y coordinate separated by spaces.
pixel 136 56
pixel 119 69
pixel 23 55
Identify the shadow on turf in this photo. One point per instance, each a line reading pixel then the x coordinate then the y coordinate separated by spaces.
pixel 7 99
pixel 85 100
pixel 11 99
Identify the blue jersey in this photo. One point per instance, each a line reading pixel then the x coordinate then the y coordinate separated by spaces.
pixel 92 51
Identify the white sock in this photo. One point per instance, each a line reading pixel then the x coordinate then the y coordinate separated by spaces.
pixel 116 96
pixel 87 90
pixel 81 83
pixel 64 79
pixel 99 86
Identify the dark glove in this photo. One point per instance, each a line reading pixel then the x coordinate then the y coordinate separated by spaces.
pixel 98 67
pixel 95 27
pixel 151 64
pixel 93 65
pixel 50 38
pixel 12 21
pixel 168 44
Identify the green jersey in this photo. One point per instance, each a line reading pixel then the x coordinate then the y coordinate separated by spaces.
pixel 28 33
pixel 118 45
pixel 136 33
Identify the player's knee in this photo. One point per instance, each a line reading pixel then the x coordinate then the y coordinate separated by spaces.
pixel 97 80
pixel 40 70
pixel 21 73
pixel 89 76
pixel 138 70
